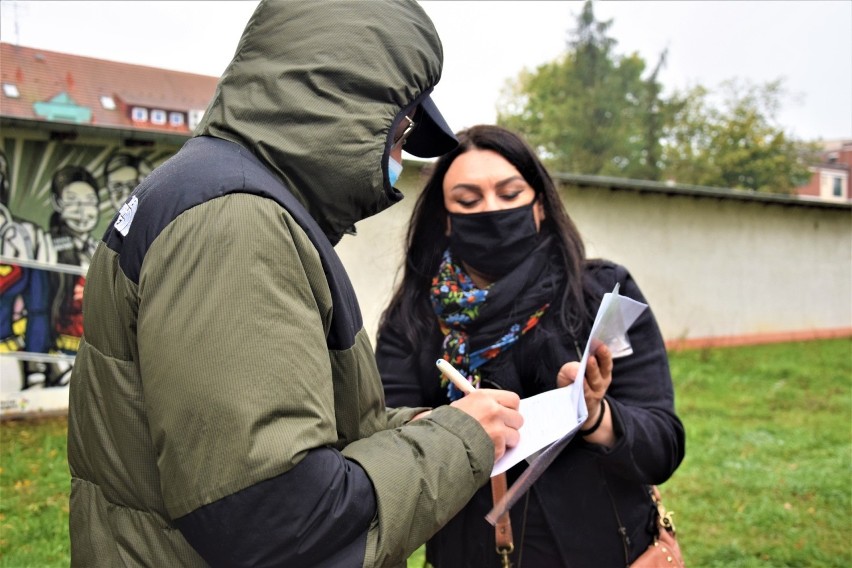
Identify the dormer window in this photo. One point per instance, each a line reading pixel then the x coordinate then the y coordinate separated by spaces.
pixel 139 114
pixel 107 102
pixel 176 118
pixel 158 117
pixel 11 90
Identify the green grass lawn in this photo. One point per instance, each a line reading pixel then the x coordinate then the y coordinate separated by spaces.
pixel 34 485
pixel 766 480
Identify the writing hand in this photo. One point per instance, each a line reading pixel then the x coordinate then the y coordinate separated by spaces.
pixel 497 412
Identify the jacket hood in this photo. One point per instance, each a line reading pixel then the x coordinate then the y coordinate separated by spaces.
pixel 315 90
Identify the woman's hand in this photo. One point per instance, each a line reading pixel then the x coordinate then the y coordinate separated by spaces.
pixel 598 378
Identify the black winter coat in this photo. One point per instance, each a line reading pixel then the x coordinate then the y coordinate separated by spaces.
pixel 574 511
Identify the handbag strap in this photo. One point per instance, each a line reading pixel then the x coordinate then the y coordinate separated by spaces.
pixel 622 530
pixel 503 526
pixel 664 517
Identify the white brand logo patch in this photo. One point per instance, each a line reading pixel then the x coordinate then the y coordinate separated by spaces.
pixel 125 216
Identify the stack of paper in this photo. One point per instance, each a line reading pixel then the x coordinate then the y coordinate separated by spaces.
pixel 552 418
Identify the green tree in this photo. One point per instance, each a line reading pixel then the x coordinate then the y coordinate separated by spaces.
pixel 738 144
pixel 590 111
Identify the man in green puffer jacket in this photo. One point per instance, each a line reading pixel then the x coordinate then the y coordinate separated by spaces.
pixel 225 406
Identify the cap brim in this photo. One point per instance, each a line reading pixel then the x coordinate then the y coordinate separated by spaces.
pixel 432 137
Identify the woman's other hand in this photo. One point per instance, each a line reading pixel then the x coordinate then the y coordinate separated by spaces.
pixel 598 378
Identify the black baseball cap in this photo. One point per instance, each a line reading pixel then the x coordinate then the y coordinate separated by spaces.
pixel 432 137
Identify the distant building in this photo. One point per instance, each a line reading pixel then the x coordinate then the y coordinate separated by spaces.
pixel 42 87
pixel 830 179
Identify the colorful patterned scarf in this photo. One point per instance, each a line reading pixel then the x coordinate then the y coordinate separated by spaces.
pixel 462 309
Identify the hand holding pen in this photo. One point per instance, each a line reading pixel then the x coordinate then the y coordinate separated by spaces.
pixel 495 410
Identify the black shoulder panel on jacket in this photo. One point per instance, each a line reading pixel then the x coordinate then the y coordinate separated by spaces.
pixel 206 168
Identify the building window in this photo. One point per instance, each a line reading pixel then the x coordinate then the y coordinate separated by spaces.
pixel 139 114
pixel 11 90
pixel 158 116
pixel 107 102
pixel 176 118
pixel 194 118
pixel 837 187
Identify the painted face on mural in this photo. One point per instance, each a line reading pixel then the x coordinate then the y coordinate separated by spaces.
pixel 78 207
pixel 121 183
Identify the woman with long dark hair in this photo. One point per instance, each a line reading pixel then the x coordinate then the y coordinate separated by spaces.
pixel 496 282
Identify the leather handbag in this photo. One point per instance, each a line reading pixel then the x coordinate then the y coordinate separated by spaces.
pixel 664 552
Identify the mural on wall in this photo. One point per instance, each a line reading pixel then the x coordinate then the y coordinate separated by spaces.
pixel 56 200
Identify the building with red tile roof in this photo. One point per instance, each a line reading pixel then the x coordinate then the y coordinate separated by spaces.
pixel 67 93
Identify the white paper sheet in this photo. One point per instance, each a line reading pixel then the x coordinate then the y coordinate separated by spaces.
pixel 554 414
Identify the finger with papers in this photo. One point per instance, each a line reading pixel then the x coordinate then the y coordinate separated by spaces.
pixel 598 376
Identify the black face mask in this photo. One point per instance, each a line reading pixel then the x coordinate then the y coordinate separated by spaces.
pixel 493 242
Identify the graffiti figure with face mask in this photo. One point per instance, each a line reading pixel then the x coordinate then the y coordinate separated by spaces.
pixel 122 173
pixel 75 203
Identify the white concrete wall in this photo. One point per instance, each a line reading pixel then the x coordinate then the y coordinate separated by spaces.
pixel 715 268
pixel 709 267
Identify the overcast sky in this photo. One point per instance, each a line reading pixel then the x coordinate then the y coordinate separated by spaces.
pixel 808 43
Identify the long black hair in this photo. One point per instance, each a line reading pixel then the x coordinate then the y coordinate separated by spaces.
pixel 426 239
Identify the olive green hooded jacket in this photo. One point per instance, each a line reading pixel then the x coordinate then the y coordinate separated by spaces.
pixel 225 406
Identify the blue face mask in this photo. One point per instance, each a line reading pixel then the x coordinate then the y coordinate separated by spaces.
pixel 394 170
